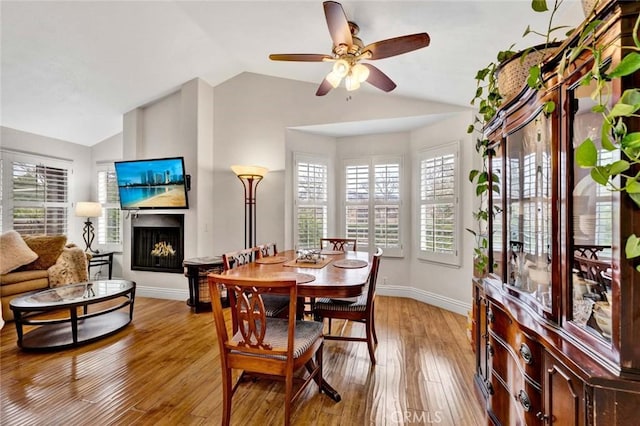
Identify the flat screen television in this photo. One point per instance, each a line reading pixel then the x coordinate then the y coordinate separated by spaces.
pixel 158 183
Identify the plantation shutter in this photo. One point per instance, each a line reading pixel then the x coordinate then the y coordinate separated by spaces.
pixel 357 203
pixel 110 223
pixel 438 239
pixel 311 203
pixel 40 198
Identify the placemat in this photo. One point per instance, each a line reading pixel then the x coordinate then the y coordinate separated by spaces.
pixel 271 259
pixel 300 277
pixel 327 251
pixel 350 263
pixel 321 263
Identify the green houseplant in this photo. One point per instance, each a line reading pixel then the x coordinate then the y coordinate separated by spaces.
pixel 623 174
pixel 488 99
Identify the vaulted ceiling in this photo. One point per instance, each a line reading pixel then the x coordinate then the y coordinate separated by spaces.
pixel 71 69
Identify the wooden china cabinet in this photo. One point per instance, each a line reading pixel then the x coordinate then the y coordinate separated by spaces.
pixel 557 320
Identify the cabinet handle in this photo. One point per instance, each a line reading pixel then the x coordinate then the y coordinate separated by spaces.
pixel 490 350
pixel 490 316
pixel 526 354
pixel 543 417
pixel 524 400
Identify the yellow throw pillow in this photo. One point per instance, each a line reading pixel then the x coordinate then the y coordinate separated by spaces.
pixel 14 252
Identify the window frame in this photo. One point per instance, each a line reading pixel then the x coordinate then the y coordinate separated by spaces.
pixel 450 259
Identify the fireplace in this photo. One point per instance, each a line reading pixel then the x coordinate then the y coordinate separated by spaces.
pixel 157 242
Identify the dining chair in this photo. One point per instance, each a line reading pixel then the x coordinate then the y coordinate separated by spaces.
pixel 234 259
pixel 275 304
pixel 362 310
pixel 338 244
pixel 274 347
pixel 266 250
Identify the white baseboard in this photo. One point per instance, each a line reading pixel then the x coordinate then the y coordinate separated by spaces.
pixel 434 299
pixel 162 293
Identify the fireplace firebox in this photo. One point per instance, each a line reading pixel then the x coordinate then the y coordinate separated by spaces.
pixel 157 242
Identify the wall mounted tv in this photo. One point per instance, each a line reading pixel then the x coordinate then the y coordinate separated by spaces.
pixel 158 183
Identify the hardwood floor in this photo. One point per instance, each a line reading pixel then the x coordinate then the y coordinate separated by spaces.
pixel 163 369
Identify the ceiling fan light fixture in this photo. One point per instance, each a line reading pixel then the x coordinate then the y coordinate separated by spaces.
pixel 334 79
pixel 351 82
pixel 341 68
pixel 360 72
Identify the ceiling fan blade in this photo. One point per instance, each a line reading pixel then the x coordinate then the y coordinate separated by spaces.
pixel 337 23
pixel 397 46
pixel 299 57
pixel 324 88
pixel 379 79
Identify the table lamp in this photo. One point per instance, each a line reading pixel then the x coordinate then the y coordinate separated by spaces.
pixel 88 209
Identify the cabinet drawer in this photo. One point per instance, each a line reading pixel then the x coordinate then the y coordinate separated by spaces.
pixel 516 403
pixel 526 351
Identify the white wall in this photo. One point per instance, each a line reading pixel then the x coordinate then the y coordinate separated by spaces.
pixel 80 155
pixel 248 120
pixel 180 124
pixel 446 286
pixel 251 115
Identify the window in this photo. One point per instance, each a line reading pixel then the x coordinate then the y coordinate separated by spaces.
pixel 438 214
pixel 373 204
pixel 311 190
pixel 38 194
pixel 109 230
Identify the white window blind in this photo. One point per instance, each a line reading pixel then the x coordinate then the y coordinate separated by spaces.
pixel 110 223
pixel 311 189
pixel 373 203
pixel 438 215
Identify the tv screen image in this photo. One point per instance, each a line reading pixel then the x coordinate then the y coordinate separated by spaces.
pixel 157 183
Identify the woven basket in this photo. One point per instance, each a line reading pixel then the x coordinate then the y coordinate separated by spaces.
pixel 513 74
pixel 587 6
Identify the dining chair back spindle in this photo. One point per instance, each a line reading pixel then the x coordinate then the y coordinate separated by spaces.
pixel 275 304
pixel 338 244
pixel 275 347
pixel 362 310
pixel 266 250
pixel 234 259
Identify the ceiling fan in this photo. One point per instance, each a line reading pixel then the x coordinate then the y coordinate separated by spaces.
pixel 348 50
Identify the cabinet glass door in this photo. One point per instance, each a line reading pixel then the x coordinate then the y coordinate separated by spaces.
pixel 497 226
pixel 528 173
pixel 591 226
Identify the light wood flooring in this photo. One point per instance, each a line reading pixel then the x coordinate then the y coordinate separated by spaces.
pixel 163 369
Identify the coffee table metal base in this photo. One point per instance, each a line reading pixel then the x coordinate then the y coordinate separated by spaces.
pixel 44 332
pixel 60 336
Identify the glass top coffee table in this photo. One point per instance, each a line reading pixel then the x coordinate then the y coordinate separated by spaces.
pixel 80 325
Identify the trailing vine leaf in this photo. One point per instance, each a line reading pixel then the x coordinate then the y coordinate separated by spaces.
pixel 600 175
pixel 587 154
pixel 605 140
pixel 549 107
pixel 539 5
pixel 632 248
pixel 631 140
pixel 619 167
pixel 627 66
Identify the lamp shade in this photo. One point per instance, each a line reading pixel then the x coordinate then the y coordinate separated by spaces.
pixel 249 171
pixel 88 209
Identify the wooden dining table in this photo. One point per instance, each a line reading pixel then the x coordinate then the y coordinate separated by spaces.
pixel 327 281
pixel 345 274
